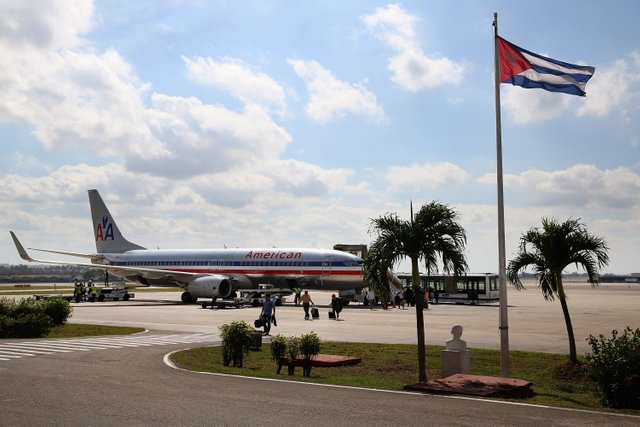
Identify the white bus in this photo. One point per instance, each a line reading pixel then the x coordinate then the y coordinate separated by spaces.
pixel 465 289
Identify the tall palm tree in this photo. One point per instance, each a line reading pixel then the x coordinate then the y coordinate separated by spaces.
pixel 549 251
pixel 433 234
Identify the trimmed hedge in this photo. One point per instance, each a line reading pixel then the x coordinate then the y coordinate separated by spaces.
pixel 31 318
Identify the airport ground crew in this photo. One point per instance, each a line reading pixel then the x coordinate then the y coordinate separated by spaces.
pixel 93 291
pixel 297 291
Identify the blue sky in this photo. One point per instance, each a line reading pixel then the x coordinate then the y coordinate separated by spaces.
pixel 293 123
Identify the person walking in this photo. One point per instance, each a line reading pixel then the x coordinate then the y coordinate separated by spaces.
pixel 371 298
pixel 268 310
pixel 306 301
pixel 336 307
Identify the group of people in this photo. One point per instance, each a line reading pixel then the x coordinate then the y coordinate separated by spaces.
pixel 82 291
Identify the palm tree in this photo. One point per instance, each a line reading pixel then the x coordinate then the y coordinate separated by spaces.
pixel 549 251
pixel 433 233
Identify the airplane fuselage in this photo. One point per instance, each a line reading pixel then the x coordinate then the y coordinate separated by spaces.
pixel 246 268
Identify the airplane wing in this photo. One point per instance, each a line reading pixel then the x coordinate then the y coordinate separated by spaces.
pixel 76 254
pixel 180 278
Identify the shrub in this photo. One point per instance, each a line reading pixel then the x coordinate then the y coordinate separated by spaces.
pixel 6 306
pixel 31 318
pixel 26 306
pixel 31 325
pixel 58 309
pixel 614 365
pixel 309 348
pixel 293 350
pixel 278 350
pixel 6 326
pixel 237 338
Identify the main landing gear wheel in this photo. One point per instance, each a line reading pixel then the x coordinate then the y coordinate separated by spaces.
pixel 188 299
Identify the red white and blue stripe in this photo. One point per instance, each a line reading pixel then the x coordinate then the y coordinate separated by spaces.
pixel 530 70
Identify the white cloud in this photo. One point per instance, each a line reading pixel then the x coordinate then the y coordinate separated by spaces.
pixel 331 99
pixel 44 25
pixel 240 80
pixel 614 87
pixel 412 68
pixel 532 105
pixel 200 138
pixel 416 176
pixel 584 186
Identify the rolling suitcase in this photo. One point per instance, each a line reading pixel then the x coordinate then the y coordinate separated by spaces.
pixel 315 314
pixel 332 315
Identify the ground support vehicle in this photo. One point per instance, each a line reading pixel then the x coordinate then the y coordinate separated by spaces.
pixel 105 293
pixel 114 293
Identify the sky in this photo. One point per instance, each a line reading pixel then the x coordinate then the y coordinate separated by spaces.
pixel 206 124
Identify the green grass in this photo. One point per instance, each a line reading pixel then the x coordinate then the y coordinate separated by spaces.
pixel 392 366
pixel 73 330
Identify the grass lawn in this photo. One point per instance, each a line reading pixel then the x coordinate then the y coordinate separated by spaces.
pixel 392 366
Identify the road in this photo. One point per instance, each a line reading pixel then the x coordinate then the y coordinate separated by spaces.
pixel 134 387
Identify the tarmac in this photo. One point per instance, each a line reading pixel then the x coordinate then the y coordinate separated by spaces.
pixel 534 323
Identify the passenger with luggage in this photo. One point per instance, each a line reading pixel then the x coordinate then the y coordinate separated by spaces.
pixel 336 307
pixel 268 310
pixel 306 301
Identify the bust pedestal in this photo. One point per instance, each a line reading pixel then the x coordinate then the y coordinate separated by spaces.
pixel 455 359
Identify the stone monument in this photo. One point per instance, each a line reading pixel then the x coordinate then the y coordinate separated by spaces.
pixel 455 358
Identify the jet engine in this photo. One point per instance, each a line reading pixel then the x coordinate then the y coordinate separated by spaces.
pixel 209 287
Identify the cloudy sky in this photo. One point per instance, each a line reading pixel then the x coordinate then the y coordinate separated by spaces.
pixel 293 123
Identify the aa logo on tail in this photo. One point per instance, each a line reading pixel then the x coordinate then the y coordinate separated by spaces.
pixel 105 230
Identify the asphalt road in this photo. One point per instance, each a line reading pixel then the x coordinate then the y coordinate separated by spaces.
pixel 133 386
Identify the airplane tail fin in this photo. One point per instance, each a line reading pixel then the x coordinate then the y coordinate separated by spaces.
pixel 106 232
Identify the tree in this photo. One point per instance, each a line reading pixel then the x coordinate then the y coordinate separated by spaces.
pixel 549 251
pixel 433 234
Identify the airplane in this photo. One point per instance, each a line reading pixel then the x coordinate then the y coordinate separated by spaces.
pixel 210 273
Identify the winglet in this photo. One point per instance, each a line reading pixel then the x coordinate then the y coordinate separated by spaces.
pixel 23 253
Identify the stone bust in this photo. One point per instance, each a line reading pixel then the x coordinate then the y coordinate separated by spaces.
pixel 455 343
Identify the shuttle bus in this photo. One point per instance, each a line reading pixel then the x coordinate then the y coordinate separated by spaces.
pixel 467 289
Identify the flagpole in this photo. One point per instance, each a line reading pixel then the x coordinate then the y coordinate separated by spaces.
pixel 503 323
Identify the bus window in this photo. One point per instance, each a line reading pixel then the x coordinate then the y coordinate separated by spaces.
pixel 481 286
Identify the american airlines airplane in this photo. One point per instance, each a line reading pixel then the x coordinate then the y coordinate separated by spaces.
pixel 209 273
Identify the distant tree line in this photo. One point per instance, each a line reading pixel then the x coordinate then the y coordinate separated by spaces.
pixel 49 273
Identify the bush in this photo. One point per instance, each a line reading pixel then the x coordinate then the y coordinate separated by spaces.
pixel 6 326
pixel 309 348
pixel 31 318
pixel 237 338
pixel 58 309
pixel 293 350
pixel 6 306
pixel 31 325
pixel 614 365
pixel 278 350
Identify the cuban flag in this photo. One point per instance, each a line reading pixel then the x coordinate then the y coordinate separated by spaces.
pixel 530 70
